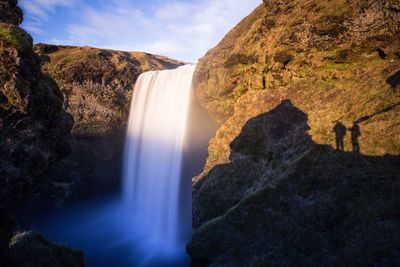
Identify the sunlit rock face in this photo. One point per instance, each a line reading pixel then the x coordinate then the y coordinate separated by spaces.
pixel 271 195
pixel 332 59
pixel 97 85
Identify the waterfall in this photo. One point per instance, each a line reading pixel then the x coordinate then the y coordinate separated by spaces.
pixel 154 152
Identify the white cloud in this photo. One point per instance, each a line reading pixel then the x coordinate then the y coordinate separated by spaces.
pixel 34 28
pixel 176 28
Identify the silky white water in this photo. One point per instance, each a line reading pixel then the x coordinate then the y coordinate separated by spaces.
pixel 153 154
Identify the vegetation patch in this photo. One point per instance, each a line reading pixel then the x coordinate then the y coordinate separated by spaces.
pixel 16 37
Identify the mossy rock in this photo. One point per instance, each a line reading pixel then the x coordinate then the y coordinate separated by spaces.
pixel 15 37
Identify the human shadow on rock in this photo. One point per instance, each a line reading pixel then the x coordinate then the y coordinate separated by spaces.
pixel 284 200
pixel 276 136
pixel 340 132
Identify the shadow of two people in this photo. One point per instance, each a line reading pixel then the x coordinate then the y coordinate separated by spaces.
pixel 340 131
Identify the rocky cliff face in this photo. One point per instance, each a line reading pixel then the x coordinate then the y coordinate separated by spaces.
pixel 97 86
pixel 97 83
pixel 289 82
pixel 34 127
pixel 10 12
pixel 318 54
pixel 34 133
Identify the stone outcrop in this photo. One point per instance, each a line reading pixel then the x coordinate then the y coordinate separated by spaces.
pixel 97 86
pixel 274 192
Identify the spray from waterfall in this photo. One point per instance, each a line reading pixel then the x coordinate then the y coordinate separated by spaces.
pixel 154 152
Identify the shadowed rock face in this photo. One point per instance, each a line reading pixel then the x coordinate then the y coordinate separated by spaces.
pixel 274 192
pixel 394 80
pixel 34 127
pixel 10 13
pixel 264 140
pixel 297 203
pixel 34 133
pixel 270 133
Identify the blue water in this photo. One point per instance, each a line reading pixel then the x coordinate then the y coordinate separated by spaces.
pixel 107 234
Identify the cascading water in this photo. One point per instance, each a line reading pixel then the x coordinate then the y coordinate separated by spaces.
pixel 152 224
pixel 154 152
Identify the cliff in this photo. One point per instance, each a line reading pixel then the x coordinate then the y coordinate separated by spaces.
pixel 334 60
pixel 287 85
pixel 34 127
pixel 97 83
pixel 34 133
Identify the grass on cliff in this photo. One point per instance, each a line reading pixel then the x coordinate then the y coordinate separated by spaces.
pixel 15 37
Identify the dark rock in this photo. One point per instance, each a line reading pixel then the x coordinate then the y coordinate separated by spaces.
pixel 7 229
pixel 10 13
pixel 382 54
pixel 283 58
pixel 34 128
pixel 33 250
pixel 343 56
pixel 394 80
pixel 45 48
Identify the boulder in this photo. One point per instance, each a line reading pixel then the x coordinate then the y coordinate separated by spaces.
pixel 29 249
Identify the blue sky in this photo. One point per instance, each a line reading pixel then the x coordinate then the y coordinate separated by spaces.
pixel 181 29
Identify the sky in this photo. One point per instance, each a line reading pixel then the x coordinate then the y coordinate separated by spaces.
pixel 180 29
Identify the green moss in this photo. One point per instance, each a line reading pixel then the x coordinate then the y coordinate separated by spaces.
pixel 15 37
pixel 243 68
pixel 332 54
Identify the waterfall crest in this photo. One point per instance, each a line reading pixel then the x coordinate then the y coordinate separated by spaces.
pixel 154 151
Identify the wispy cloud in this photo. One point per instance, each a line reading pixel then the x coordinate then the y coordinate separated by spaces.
pixel 39 12
pixel 175 28
pixel 43 9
